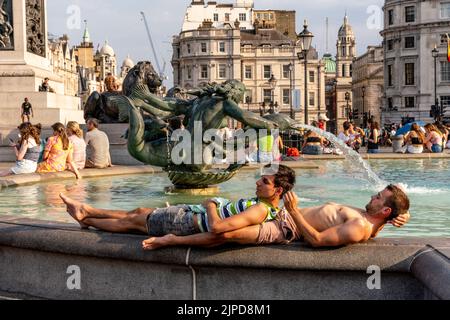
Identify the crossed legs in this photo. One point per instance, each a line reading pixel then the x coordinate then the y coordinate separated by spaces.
pixel 136 221
pixel 108 220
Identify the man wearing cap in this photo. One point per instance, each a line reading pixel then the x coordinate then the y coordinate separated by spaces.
pixel 322 124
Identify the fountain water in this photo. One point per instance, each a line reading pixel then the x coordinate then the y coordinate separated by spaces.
pixel 350 155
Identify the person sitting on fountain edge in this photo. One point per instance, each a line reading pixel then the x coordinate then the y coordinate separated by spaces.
pixel 329 225
pixel 185 220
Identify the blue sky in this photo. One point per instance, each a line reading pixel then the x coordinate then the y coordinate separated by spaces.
pixel 120 23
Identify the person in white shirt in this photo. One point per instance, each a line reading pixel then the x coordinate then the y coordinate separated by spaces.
pixel 27 151
pixel 97 143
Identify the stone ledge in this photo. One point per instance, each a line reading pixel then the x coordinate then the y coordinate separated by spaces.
pixel 392 255
pixel 12 181
pixel 431 267
pixel 36 254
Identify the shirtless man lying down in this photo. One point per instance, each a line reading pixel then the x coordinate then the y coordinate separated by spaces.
pixel 329 225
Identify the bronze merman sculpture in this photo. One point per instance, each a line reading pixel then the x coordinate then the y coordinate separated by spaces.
pixel 209 110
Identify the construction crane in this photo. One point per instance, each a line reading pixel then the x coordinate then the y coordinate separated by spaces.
pixel 161 71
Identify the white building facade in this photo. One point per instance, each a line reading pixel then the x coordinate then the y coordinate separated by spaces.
pixel 218 14
pixel 412 28
pixel 368 85
pixel 265 60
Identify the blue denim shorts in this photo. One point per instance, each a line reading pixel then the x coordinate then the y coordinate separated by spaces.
pixel 313 150
pixel 436 148
pixel 177 220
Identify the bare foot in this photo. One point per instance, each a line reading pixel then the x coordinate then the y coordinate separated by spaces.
pixel 158 243
pixel 76 210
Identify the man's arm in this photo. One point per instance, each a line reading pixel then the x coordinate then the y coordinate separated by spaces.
pixel 253 216
pixel 353 231
pixel 211 211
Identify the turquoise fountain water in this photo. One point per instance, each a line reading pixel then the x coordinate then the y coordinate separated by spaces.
pixel 350 182
pixel 335 181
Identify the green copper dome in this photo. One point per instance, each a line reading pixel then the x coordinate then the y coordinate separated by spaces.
pixel 330 64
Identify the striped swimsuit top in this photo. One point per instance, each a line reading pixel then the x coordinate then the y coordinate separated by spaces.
pixel 227 209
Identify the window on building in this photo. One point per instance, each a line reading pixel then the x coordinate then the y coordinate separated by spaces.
pixel 267 72
pixel 445 10
pixel 390 44
pixel 227 17
pixel 409 102
pixel 247 48
pixel 286 96
pixel 409 74
pixel 266 48
pixel 242 17
pixel 390 103
pixel 189 73
pixel 445 71
pixel 410 42
pixel 351 69
pixel 344 70
pixel 216 17
pixel 410 14
pixel 391 17
pixel 248 72
pixel 286 71
pixel 204 71
pixel 222 71
pixel 222 47
pixel 188 48
pixel 312 77
pixel 203 47
pixel 390 74
pixel 312 99
pixel 267 95
pixel 445 100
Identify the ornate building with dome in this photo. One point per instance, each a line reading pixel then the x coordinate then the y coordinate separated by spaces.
pixel 127 65
pixel 93 68
pixel 105 62
pixel 339 78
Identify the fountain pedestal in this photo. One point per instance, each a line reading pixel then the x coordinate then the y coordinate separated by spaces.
pixel 208 191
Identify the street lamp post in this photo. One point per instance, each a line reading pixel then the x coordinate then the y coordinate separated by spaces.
pixel 347 98
pixel 291 86
pixel 435 53
pixel 364 123
pixel 273 85
pixel 305 39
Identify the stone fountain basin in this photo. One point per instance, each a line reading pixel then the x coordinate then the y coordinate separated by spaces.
pixel 35 257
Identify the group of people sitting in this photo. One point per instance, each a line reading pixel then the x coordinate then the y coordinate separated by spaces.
pixel 353 137
pixel 432 138
pixel 65 150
